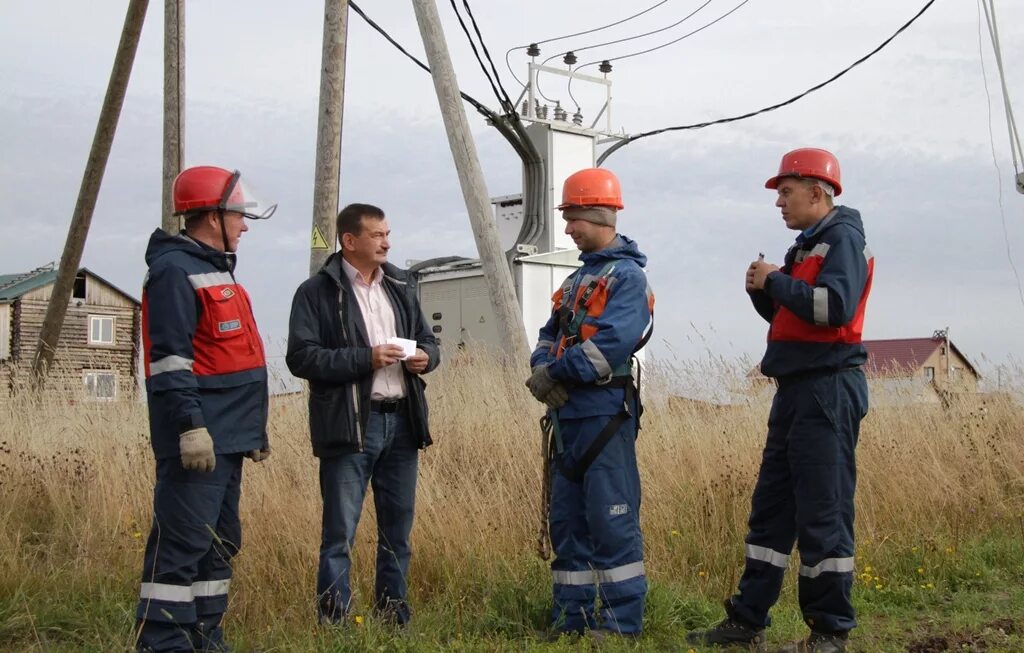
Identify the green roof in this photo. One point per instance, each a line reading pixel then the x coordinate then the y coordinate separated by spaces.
pixel 13 286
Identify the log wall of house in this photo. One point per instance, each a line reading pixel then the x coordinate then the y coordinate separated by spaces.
pixel 75 354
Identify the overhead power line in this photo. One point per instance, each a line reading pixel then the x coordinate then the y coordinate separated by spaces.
pixel 995 160
pixel 773 107
pixel 476 104
pixel 1011 124
pixel 657 47
pixel 569 36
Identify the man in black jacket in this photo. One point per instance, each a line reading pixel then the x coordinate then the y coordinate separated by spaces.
pixel 367 407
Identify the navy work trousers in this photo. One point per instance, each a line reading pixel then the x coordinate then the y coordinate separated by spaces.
pixel 187 566
pixel 595 532
pixel 389 460
pixel 805 492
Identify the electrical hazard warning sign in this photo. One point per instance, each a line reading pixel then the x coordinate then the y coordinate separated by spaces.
pixel 319 242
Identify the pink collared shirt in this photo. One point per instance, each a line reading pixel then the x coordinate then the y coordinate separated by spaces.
pixel 379 319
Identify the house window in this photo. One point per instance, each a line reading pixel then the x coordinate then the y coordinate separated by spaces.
pixel 79 289
pixel 929 373
pixel 100 385
pixel 101 330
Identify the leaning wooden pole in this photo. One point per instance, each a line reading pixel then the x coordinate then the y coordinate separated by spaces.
pixel 91 180
pixel 471 177
pixel 328 133
pixel 174 106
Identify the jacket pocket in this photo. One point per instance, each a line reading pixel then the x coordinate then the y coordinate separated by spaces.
pixel 330 416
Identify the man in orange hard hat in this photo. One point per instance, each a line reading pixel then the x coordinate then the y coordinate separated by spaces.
pixel 815 305
pixel 206 389
pixel 601 315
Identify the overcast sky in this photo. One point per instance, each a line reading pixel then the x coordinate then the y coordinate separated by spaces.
pixel 910 127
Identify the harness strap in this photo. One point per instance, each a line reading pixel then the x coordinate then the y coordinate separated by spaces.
pixel 577 471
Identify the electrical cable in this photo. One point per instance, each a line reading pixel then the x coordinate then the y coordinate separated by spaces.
pixel 476 104
pixel 476 53
pixel 751 114
pixel 569 36
pixel 1011 123
pixel 487 53
pixel 995 160
pixel 657 47
pixel 615 42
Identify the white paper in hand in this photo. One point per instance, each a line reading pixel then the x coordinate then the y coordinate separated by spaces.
pixel 408 346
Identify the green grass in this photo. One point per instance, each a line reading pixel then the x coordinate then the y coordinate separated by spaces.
pixel 967 597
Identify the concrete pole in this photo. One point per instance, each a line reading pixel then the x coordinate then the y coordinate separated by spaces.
pixel 328 133
pixel 471 177
pixel 174 106
pixel 89 190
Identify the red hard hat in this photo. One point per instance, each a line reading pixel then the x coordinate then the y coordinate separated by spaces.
pixel 592 187
pixel 809 162
pixel 209 188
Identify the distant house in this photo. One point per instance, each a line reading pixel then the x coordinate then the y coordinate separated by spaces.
pixel 911 370
pixel 99 344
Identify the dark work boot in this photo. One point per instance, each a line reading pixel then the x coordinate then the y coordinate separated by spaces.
pixel 730 632
pixel 818 643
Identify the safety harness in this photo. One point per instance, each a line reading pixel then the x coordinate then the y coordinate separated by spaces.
pixel 570 321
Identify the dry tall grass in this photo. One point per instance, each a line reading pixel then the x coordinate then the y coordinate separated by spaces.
pixel 76 486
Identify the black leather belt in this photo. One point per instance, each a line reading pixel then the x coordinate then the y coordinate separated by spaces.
pixel 386 405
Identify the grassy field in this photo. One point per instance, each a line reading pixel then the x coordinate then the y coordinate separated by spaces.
pixel 940 554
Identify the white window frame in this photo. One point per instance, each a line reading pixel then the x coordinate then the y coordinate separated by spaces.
pixel 93 319
pixel 929 373
pixel 96 374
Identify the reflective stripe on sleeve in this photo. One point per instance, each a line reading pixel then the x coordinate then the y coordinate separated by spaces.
pixel 596 359
pixel 821 306
pixel 170 364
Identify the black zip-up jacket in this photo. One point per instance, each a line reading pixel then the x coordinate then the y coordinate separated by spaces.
pixel 328 346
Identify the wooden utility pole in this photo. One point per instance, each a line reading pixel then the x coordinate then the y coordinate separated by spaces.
pixel 90 188
pixel 471 178
pixel 328 133
pixel 174 106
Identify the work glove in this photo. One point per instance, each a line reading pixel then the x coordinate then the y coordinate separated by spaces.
pixel 540 383
pixel 196 447
pixel 557 397
pixel 258 455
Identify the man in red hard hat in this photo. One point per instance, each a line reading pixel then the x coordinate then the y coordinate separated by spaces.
pixel 601 315
pixel 815 305
pixel 206 388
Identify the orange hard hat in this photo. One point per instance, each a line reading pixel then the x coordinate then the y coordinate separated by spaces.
pixel 591 187
pixel 809 162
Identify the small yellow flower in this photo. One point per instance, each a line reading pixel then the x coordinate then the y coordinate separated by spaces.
pixel 137 535
pixel 931 586
pixel 923 586
pixel 977 573
pixel 675 533
pixel 867 570
pixel 878 586
pixel 913 549
pixel 359 620
pixel 920 570
pixel 950 550
pixel 702 573
pixel 876 579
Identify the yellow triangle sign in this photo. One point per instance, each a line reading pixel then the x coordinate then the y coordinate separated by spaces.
pixel 319 242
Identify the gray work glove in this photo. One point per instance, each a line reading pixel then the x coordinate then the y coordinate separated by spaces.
pixel 558 396
pixel 196 447
pixel 258 455
pixel 540 383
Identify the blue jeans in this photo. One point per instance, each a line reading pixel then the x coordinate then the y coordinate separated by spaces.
pixel 388 460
